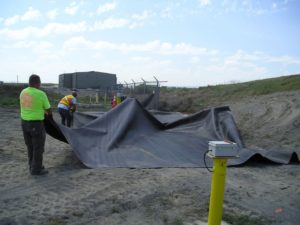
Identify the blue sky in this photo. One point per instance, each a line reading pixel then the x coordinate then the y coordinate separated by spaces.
pixel 188 43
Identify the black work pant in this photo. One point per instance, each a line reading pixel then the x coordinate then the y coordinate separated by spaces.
pixel 65 115
pixel 35 137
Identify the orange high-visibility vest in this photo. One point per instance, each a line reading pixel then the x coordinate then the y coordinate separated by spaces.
pixel 67 100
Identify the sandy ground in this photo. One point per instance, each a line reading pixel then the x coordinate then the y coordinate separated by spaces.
pixel 257 193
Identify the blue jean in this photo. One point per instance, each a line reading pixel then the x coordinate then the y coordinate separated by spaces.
pixel 65 115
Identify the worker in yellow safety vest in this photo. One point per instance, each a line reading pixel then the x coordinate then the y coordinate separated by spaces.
pixel 66 107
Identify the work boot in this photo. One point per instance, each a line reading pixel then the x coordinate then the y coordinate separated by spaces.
pixel 31 169
pixel 43 171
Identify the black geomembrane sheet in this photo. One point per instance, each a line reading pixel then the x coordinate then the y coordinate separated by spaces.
pixel 131 136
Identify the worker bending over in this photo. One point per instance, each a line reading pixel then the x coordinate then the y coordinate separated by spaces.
pixel 66 107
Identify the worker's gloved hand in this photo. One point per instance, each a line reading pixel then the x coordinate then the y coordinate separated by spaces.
pixel 48 115
pixel 72 109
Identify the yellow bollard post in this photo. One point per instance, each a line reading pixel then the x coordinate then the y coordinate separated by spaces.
pixel 220 152
pixel 217 191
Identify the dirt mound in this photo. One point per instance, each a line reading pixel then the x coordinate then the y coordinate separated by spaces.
pixel 269 120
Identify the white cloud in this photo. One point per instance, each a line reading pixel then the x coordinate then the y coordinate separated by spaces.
pixel 38 47
pixel 80 42
pixel 284 60
pixel 142 16
pixel 19 34
pixel 30 14
pixel 138 19
pixel 185 49
pixel 52 14
pixel 166 13
pixel 173 9
pixel 72 8
pixel 49 29
pixel 204 3
pixel 245 3
pixel 106 7
pixel 195 59
pixel 157 47
pixel 23 44
pixel 248 66
pixel 141 59
pixel 241 57
pixel 43 47
pixel 135 20
pixel 90 14
pixel 65 28
pixel 255 8
pixel 242 72
pixel 31 44
pixel 110 23
pixel 11 20
pixel 166 62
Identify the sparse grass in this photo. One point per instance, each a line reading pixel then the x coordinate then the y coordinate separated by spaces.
pixel 77 214
pixel 178 221
pixel 8 101
pixel 182 99
pixel 56 221
pixel 238 219
pixel 165 218
pixel 194 99
pixel 115 209
pixel 9 96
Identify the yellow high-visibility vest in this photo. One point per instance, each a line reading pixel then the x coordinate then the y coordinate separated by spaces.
pixel 67 100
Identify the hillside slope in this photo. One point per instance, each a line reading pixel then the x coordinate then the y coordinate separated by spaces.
pixel 267 111
pixel 269 121
pixel 194 99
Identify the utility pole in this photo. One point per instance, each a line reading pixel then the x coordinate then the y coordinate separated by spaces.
pixel 156 94
pixel 144 82
pixel 133 85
